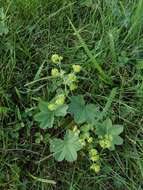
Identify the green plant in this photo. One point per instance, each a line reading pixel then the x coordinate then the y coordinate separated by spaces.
pixel 106 39
pixel 86 130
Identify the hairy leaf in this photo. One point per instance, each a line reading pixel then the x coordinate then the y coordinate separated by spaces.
pixel 67 148
pixel 46 117
pixel 82 113
pixel 62 110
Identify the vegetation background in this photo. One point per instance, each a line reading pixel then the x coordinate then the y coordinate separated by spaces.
pixel 30 32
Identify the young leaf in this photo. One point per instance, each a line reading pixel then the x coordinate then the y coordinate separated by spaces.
pixel 62 110
pixel 67 148
pixel 106 128
pixel 103 128
pixel 46 117
pixel 82 113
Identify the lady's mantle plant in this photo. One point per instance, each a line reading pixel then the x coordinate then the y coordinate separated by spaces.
pixel 83 130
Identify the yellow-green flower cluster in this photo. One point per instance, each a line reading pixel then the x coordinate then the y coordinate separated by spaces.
pixel 55 72
pixel 73 86
pixel 76 68
pixel 71 79
pixel 94 157
pixel 95 167
pixel 85 137
pixel 82 142
pixel 56 58
pixel 106 141
pixel 89 139
pixel 58 101
pixel 52 107
pixel 76 130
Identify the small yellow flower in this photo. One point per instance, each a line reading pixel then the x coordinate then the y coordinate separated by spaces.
pixel 62 72
pixel 93 152
pixel 108 144
pixel 76 68
pixel 72 77
pixel 56 58
pixel 60 100
pixel 73 86
pixel 76 130
pixel 95 167
pixel 109 137
pixel 55 72
pixel 82 142
pixel 94 158
pixel 106 141
pixel 102 143
pixel 89 139
pixel 52 107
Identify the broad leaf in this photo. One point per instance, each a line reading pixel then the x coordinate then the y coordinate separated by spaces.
pixel 118 140
pixel 77 107
pixel 67 148
pixel 116 130
pixel 82 113
pixel 91 113
pixel 46 119
pixel 43 106
pixel 103 128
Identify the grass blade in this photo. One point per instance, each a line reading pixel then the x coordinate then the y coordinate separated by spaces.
pixel 42 180
pixel 92 58
pixel 108 104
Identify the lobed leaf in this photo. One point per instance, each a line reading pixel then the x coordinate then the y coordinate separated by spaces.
pixel 82 113
pixel 67 148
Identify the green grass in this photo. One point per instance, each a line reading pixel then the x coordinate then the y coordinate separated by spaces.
pixel 106 38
